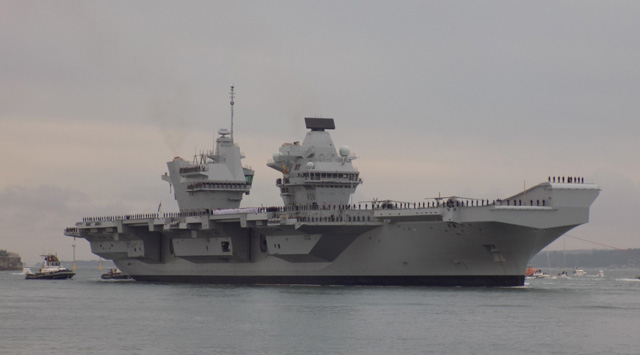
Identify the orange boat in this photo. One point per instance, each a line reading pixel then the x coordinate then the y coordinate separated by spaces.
pixel 530 271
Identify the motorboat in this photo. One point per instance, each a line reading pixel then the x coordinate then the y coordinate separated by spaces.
pixel 114 274
pixel 533 273
pixel 579 272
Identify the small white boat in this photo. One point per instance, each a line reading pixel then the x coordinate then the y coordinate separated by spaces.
pixel 579 272
pixel 114 274
pixel 533 273
pixel 541 275
pixel 52 269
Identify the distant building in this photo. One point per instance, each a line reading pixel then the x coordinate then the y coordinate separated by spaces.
pixel 9 261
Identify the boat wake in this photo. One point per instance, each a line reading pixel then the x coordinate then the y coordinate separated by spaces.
pixel 629 280
pixel 116 280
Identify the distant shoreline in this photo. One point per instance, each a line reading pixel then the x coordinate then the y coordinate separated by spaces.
pixel 595 258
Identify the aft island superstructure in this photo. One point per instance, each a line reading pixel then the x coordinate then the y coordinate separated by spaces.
pixel 317 237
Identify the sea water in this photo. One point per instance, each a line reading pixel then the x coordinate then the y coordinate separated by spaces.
pixel 86 315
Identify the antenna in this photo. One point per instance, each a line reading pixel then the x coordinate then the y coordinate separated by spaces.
pixel 232 95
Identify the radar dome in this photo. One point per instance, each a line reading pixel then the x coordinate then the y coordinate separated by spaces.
pixel 310 165
pixel 345 151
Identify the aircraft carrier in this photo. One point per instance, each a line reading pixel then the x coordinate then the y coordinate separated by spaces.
pixel 317 237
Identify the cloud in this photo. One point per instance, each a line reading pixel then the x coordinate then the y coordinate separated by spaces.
pixel 33 220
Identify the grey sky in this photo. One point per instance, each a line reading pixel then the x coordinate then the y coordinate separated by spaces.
pixel 460 98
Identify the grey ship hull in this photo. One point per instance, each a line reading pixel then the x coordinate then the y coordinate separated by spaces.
pixel 409 253
pixel 459 245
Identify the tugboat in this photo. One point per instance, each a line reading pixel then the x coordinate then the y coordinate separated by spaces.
pixel 114 274
pixel 52 269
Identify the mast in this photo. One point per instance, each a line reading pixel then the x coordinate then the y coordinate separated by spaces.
pixel 74 253
pixel 232 95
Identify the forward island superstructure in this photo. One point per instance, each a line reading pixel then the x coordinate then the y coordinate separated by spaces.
pixel 213 180
pixel 318 237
